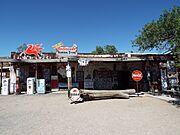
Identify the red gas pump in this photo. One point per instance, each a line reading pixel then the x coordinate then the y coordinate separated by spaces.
pixel 18 85
pixel 54 83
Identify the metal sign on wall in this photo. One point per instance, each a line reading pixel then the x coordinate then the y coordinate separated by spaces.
pixel 64 51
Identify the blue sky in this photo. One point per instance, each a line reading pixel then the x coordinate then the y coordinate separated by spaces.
pixel 87 23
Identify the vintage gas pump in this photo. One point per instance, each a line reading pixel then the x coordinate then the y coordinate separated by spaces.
pixel 54 83
pixel 40 86
pixel 18 85
pixel 5 86
pixel 12 80
pixel 30 85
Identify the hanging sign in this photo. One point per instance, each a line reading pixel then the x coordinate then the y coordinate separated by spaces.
pixel 137 75
pixel 68 71
pixel 83 62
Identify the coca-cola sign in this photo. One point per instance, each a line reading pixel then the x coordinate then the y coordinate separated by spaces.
pixel 137 75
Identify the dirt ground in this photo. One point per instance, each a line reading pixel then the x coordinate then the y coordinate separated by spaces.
pixel 52 114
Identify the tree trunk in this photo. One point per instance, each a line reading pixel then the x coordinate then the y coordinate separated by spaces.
pixel 127 91
pixel 103 95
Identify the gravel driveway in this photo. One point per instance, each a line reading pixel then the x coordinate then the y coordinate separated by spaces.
pixel 52 114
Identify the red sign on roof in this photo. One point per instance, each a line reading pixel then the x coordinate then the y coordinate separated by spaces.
pixel 33 49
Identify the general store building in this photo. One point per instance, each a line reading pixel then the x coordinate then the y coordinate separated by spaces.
pixel 89 71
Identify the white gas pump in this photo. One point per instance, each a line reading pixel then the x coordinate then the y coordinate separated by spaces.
pixel 5 86
pixel 30 85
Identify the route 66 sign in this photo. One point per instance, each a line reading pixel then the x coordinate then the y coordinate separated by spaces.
pixel 75 95
pixel 83 62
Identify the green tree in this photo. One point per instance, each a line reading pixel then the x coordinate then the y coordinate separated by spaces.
pixel 22 48
pixel 162 34
pixel 110 49
pixel 99 50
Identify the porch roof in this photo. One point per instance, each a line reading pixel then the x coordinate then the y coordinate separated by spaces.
pixel 115 59
pixel 36 60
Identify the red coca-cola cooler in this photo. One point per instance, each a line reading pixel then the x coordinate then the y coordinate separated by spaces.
pixel 54 83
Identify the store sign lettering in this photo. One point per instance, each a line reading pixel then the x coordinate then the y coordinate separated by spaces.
pixel 64 51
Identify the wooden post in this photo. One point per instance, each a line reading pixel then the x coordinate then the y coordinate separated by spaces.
pixel 137 88
pixel 69 86
pixel 75 71
pixel 36 72
pixel 18 87
pixel 68 74
pixel 1 76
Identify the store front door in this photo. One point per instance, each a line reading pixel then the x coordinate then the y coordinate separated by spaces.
pixel 123 79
